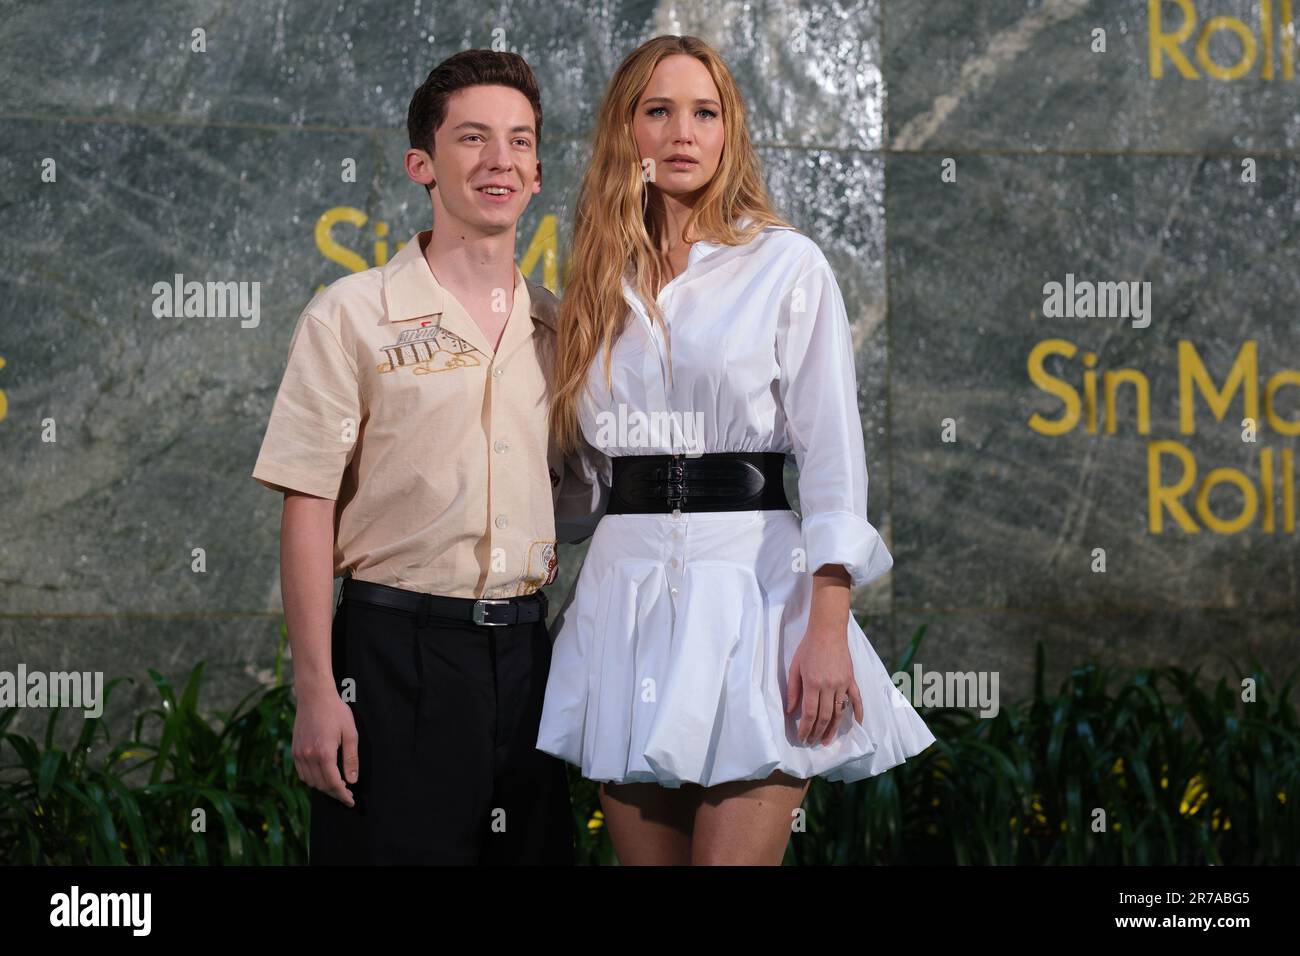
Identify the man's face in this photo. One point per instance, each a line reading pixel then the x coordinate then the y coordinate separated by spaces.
pixel 679 116
pixel 488 142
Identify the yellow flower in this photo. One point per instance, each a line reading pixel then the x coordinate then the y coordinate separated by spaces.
pixel 1194 796
pixel 1117 770
pixel 1214 820
pixel 1281 796
pixel 596 822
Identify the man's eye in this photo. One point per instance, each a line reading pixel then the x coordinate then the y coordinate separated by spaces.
pixel 473 136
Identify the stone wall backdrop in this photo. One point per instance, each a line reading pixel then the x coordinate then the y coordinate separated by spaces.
pixel 952 158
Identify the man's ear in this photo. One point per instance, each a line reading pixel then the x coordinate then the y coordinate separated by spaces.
pixel 419 167
pixel 537 183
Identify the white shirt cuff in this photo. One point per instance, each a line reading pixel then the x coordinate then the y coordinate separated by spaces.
pixel 842 537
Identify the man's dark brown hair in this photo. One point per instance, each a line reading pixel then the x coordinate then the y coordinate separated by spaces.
pixel 428 109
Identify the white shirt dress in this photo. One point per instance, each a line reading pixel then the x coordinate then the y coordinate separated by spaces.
pixel 671 657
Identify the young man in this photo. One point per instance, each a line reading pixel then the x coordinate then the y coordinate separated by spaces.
pixel 409 438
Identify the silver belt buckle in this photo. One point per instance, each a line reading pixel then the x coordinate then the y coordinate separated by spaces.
pixel 480 614
pixel 676 484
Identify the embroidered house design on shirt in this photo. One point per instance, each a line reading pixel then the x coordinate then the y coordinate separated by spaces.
pixel 543 556
pixel 427 350
pixel 540 567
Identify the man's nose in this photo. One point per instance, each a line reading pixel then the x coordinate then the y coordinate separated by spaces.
pixel 498 154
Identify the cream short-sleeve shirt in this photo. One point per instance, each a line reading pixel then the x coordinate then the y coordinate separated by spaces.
pixel 435 447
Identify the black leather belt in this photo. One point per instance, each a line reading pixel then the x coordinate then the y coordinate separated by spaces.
pixel 717 481
pixel 489 612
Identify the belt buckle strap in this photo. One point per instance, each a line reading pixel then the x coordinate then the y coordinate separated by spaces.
pixel 480 613
pixel 676 484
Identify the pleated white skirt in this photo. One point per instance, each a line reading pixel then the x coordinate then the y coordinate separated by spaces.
pixel 671 659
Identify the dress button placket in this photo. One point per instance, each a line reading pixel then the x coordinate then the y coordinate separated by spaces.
pixel 656 384
pixel 672 551
pixel 675 566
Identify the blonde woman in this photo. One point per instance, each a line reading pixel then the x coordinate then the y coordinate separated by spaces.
pixel 707 664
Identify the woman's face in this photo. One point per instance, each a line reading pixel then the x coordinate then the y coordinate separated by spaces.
pixel 678 126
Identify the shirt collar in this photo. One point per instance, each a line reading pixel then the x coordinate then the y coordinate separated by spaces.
pixel 697 252
pixel 704 247
pixel 412 292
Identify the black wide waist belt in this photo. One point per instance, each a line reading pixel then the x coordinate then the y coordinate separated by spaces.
pixel 490 612
pixel 717 481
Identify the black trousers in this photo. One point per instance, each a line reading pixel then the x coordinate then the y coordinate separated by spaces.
pixel 447 714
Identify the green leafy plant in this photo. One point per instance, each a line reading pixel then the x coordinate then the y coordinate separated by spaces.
pixel 178 792
pixel 1158 770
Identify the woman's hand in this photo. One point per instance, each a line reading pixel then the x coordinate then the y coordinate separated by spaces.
pixel 822 668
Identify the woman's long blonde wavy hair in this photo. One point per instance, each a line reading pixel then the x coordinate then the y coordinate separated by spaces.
pixel 615 224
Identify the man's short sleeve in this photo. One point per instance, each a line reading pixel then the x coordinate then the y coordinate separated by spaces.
pixel 316 417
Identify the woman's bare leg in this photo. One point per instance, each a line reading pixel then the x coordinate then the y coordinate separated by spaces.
pixel 650 825
pixel 746 822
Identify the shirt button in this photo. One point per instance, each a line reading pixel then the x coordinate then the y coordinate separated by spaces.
pixel 500 444
pixel 496 372
pixel 501 521
pixel 674 590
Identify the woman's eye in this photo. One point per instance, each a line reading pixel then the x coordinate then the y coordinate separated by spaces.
pixel 711 114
